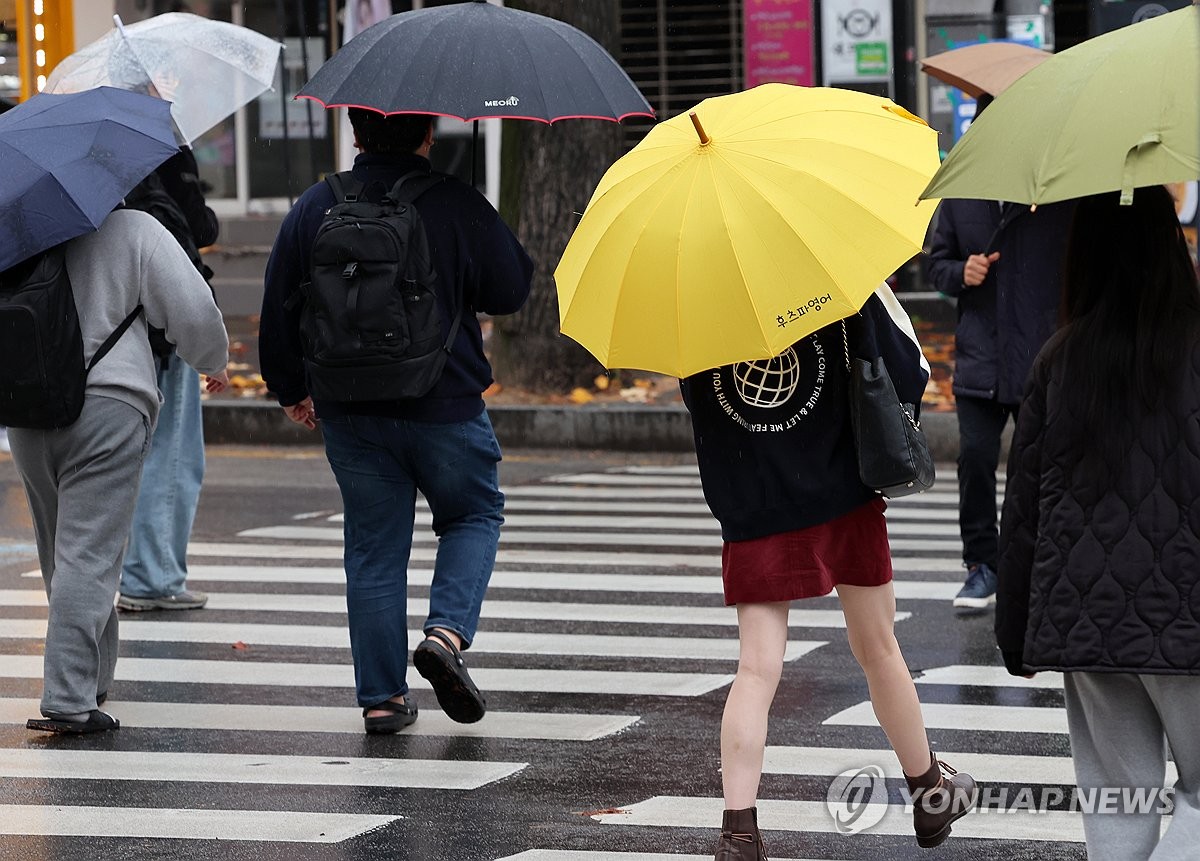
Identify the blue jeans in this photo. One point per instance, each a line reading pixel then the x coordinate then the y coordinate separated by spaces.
pixel 156 561
pixel 380 464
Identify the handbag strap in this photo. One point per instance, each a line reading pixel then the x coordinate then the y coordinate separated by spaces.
pixel 846 344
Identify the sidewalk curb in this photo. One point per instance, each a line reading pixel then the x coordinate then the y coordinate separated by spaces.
pixel 615 428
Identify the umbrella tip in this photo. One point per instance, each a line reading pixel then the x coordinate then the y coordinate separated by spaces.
pixel 704 138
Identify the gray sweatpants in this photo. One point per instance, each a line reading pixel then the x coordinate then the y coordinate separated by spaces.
pixel 82 484
pixel 1120 726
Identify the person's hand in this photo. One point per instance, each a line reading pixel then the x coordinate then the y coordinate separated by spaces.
pixel 975 270
pixel 303 413
pixel 216 382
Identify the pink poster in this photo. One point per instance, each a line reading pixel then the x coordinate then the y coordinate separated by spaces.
pixel 779 42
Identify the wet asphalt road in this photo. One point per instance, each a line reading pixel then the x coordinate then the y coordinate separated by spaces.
pixel 212 750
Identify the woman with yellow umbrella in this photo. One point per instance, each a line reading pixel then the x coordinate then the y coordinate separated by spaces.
pixel 726 249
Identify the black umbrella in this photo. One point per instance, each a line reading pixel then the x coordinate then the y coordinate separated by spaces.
pixel 477 61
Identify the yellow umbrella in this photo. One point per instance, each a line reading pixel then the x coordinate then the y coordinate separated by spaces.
pixel 729 234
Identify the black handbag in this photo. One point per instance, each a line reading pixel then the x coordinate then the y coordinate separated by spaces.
pixel 893 455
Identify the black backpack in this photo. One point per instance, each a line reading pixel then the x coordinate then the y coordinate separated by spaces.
pixel 42 375
pixel 370 327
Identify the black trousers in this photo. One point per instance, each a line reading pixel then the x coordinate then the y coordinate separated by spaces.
pixel 980 423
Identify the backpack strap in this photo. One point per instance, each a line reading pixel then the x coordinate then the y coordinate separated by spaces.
pixel 112 339
pixel 406 190
pixel 346 189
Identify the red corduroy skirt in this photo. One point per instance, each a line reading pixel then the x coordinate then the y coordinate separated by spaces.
pixel 807 563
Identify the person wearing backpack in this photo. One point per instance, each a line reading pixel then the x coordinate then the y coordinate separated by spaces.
pixel 154 576
pixel 368 324
pixel 80 436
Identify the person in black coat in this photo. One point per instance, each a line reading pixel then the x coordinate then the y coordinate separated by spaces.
pixel 1100 535
pixel 1002 262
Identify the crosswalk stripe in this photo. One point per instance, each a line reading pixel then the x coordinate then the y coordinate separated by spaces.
pixel 629 507
pixel 1046 719
pixel 544 491
pixel 676 469
pixel 581 855
pixel 814 816
pixel 609 478
pixel 490 642
pixel 990 677
pixel 654 614
pixel 631 539
pixel 283 826
pixel 255 768
pixel 623 539
pixel 544 726
pixel 301 675
pixel 984 767
pixel 703 524
pixel 907 523
pixel 247 550
pixel 688 584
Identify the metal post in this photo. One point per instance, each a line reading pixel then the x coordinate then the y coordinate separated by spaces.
pixel 308 105
pixel 287 143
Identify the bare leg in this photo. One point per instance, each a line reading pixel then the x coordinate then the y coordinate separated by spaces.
pixel 762 631
pixel 870 617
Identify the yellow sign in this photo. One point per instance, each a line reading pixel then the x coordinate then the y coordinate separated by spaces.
pixel 45 35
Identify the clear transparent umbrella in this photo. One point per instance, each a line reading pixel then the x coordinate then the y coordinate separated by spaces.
pixel 206 69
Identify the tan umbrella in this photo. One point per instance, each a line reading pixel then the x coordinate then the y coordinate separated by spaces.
pixel 989 67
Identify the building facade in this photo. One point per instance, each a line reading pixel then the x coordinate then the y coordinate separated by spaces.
pixel 677 51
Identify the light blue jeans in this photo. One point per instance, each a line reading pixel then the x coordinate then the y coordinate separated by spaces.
pixel 380 464
pixel 156 561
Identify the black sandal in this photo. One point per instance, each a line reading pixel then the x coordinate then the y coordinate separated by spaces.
pixel 442 665
pixel 402 715
pixel 97 721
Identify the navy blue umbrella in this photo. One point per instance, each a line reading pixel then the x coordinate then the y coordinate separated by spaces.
pixel 67 160
pixel 476 61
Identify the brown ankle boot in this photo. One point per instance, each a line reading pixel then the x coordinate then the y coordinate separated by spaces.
pixel 740 840
pixel 939 800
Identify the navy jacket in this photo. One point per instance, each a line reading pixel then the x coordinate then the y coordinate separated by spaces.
pixel 480 267
pixel 775 449
pixel 1002 323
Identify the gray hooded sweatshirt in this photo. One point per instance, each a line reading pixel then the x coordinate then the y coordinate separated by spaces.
pixel 132 260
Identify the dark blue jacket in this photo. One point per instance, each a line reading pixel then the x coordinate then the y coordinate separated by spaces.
pixel 775 449
pixel 480 267
pixel 1002 323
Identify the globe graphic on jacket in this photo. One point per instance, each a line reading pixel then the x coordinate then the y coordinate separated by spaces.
pixel 768 382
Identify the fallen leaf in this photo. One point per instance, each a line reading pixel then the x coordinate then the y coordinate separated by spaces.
pixel 580 396
pixel 240 646
pixel 601 382
pixel 606 811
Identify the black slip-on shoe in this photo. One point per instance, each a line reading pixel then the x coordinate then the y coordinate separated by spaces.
pixel 97 721
pixel 441 663
pixel 402 715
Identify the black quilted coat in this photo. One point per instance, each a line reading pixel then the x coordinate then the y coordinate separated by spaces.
pixel 1100 567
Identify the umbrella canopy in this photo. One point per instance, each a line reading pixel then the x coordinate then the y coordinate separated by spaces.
pixel 989 67
pixel 477 61
pixel 206 69
pixel 67 160
pixel 728 240
pixel 1118 111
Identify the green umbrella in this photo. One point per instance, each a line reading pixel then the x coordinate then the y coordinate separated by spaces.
pixel 1119 111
